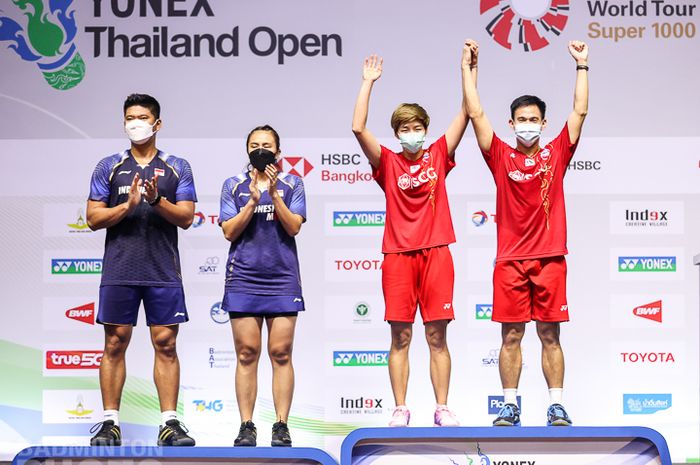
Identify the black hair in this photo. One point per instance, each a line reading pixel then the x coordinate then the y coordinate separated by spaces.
pixel 143 100
pixel 265 127
pixel 526 101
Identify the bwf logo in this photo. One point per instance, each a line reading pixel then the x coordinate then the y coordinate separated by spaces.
pixel 652 311
pixel 529 23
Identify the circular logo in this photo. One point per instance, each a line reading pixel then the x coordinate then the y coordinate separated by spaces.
pixel 198 219
pixel 528 23
pixel 362 309
pixel 404 182
pixel 479 218
pixel 218 314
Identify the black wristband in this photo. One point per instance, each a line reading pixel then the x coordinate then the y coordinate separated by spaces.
pixel 156 201
pixel 584 67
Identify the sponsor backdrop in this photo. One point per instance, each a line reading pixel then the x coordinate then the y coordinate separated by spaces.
pixel 219 68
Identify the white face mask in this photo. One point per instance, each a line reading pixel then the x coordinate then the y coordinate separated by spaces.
pixel 139 131
pixel 528 133
pixel 412 141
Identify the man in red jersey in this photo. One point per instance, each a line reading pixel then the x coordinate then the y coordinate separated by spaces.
pixel 529 278
pixel 417 268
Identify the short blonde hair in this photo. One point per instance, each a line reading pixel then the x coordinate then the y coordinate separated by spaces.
pixel 407 112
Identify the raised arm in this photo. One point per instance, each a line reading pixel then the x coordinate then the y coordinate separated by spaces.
pixel 481 124
pixel 456 130
pixel 579 51
pixel 371 71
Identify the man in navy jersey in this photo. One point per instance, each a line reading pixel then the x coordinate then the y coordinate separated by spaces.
pixel 141 196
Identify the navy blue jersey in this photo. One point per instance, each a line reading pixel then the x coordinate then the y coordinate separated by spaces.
pixel 141 250
pixel 263 260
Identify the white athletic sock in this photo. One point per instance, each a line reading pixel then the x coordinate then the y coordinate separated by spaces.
pixel 510 396
pixel 555 395
pixel 112 415
pixel 167 416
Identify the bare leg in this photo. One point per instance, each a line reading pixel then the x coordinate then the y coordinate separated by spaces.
pixel 166 369
pixel 279 347
pixel 440 362
pixel 113 365
pixel 247 341
pixel 401 334
pixel 510 360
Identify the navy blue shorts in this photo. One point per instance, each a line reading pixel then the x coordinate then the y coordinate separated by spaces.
pixel 119 305
pixel 261 305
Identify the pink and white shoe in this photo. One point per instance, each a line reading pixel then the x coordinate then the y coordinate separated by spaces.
pixel 445 417
pixel 400 417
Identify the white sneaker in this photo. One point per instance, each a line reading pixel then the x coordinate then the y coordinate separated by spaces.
pixel 400 417
pixel 445 417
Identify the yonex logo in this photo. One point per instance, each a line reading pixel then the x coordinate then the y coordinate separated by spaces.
pixel 484 311
pixel 358 218
pixel 51 32
pixel 528 22
pixel 447 306
pixel 646 264
pixel 564 308
pixel 76 265
pixel 363 358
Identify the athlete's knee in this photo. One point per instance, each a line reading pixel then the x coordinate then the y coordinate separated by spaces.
pixel 512 336
pixel 115 345
pixel 280 354
pixel 401 339
pixel 437 340
pixel 247 354
pixel 548 334
pixel 165 347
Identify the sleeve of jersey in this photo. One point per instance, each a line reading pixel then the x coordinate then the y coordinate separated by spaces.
pixel 297 203
pixel 562 145
pixel 99 183
pixel 439 147
pixel 228 208
pixel 493 155
pixel 185 187
pixel 379 173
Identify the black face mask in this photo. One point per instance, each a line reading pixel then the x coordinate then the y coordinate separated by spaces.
pixel 260 158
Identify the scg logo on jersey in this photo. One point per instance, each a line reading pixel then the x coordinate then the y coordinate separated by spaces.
pixel 645 404
pixel 370 358
pixel 646 264
pixel 532 24
pixel 73 359
pixel 342 219
pixel 76 265
pixel 406 181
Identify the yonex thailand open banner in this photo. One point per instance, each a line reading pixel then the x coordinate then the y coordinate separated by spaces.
pixel 220 68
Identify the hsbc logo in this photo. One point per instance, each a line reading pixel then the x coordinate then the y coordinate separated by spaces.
pixel 298 166
pixel 652 311
pixel 73 359
pixel 84 313
pixel 406 181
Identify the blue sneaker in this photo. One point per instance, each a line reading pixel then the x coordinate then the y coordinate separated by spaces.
pixel 557 416
pixel 509 415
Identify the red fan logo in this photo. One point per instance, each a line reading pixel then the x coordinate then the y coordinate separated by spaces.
pixel 84 313
pixel 298 166
pixel 652 311
pixel 523 23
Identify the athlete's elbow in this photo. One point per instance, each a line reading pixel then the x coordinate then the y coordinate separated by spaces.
pixel 358 129
pixel 187 222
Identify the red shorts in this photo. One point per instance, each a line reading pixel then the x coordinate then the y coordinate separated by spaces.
pixel 525 290
pixel 420 277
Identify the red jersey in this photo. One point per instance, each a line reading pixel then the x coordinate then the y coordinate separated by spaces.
pixel 417 212
pixel 530 211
